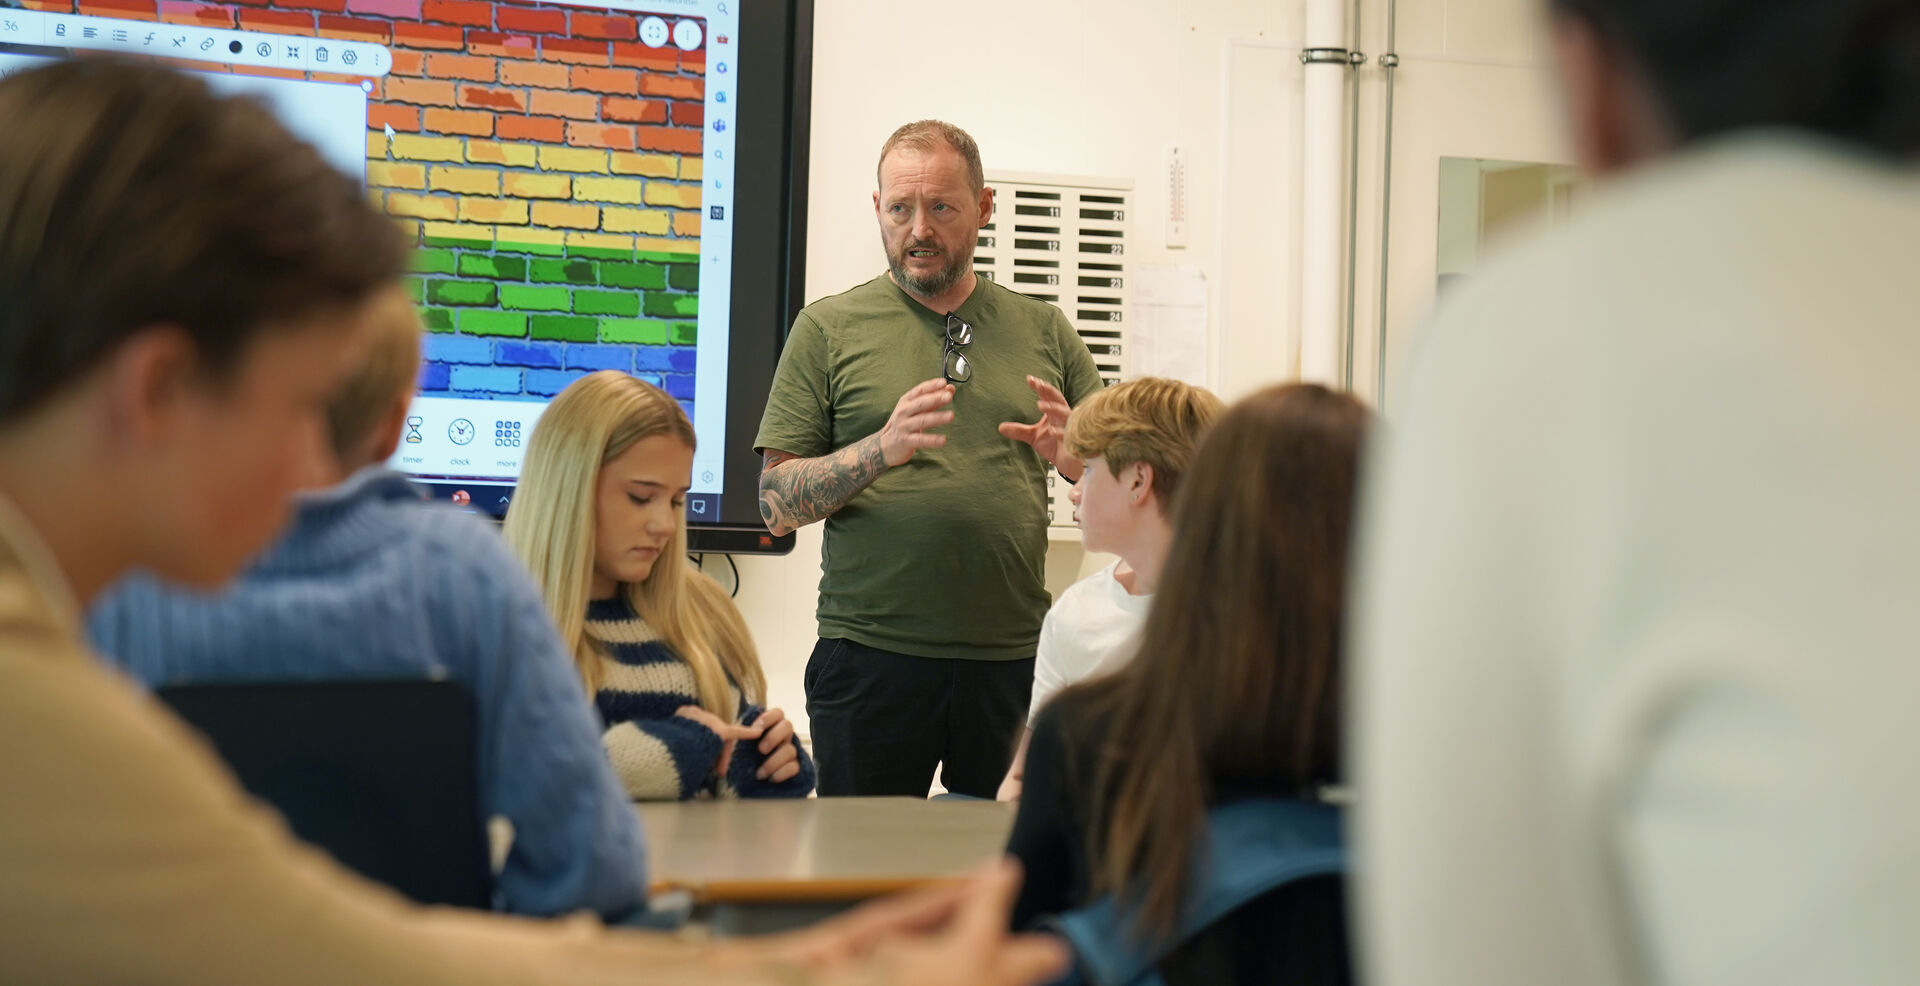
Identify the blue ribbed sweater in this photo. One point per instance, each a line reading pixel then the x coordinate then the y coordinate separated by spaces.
pixel 658 755
pixel 374 582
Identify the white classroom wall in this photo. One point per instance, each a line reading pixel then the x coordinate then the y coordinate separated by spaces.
pixel 1101 88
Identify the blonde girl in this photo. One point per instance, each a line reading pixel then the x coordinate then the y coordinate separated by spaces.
pixel 599 518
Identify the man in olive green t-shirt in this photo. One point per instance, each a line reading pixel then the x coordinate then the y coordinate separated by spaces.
pixel 931 592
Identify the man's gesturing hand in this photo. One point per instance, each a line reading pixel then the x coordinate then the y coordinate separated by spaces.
pixel 919 409
pixel 1044 434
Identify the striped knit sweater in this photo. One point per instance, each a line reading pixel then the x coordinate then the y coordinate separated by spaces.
pixel 660 756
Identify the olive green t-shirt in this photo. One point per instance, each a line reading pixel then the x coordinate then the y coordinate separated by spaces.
pixel 943 556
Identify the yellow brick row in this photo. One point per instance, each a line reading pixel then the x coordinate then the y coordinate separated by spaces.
pixel 566 214
pixel 691 168
pixel 673 196
pixel 469 232
pixel 507 212
pixel 573 159
pixel 537 186
pixel 651 221
pixel 386 174
pixel 466 181
pixel 623 190
pixel 422 206
pixel 659 244
pixel 413 147
pixel 686 223
pixel 533 236
pixel 647 165
pixel 494 152
pixel 604 241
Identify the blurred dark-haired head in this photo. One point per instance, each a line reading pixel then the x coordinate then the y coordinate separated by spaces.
pixel 1645 76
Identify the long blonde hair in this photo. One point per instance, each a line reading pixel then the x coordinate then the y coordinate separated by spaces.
pixel 550 526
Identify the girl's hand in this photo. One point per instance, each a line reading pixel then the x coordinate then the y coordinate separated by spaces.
pixel 776 744
pixel 951 934
pixel 728 732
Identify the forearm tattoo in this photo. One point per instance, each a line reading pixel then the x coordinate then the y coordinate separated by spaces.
pixel 795 492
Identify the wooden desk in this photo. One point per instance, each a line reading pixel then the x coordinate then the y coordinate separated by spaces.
pixel 816 851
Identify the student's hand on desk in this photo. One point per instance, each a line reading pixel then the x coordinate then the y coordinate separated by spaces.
pixel 776 744
pixel 728 732
pixel 951 935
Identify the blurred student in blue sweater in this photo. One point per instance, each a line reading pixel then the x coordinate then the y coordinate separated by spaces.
pixel 373 581
pixel 600 519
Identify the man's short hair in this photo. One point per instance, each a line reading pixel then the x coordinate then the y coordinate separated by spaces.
pixel 1151 420
pixel 132 196
pixel 931 135
pixel 385 376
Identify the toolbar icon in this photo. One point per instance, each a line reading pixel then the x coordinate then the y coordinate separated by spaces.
pixel 264 49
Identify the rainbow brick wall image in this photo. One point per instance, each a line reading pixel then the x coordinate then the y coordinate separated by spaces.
pixel 548 163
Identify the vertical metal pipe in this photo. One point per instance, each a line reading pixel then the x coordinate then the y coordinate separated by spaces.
pixel 1324 88
pixel 1350 339
pixel 1389 61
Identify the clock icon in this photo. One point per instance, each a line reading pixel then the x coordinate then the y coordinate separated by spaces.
pixel 461 431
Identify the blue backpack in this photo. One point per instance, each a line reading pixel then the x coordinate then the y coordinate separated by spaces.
pixel 1254 847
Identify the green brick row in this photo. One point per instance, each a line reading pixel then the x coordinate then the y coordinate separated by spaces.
pixel 645 276
pixel 530 297
pixel 672 305
pixel 566 328
pixel 562 328
pixel 479 294
pixel 486 323
pixel 433 261
pixel 599 253
pixel 635 331
pixel 685 277
pixel 606 303
pixel 565 271
pixel 500 267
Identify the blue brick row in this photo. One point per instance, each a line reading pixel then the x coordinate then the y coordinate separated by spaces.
pixel 487 379
pixel 452 379
pixel 532 355
pixel 547 383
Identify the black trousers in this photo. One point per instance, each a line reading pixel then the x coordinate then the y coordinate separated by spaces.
pixel 881 721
